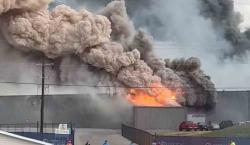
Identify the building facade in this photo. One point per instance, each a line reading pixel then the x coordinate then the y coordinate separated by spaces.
pixel 110 113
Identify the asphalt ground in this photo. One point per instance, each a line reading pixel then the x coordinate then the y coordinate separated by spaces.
pixel 98 136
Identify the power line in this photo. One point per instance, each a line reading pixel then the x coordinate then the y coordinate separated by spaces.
pixel 109 86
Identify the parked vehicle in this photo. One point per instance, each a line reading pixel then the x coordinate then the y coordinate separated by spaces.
pixel 243 123
pixel 214 126
pixel 188 125
pixel 203 126
pixel 226 124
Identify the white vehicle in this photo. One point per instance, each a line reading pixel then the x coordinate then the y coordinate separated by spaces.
pixel 215 126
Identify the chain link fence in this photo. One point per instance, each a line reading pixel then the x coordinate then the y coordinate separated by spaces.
pixel 31 130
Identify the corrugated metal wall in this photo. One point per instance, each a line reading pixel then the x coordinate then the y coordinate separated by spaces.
pixel 152 118
pixel 78 109
pixel 231 105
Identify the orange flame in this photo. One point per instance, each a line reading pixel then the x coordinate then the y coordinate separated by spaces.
pixel 156 95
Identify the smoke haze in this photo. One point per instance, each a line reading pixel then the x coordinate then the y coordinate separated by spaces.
pixel 126 56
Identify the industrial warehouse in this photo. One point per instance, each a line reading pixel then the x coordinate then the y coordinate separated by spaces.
pixel 125 72
pixel 64 108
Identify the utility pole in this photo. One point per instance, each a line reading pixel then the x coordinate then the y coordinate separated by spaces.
pixel 42 96
pixel 248 108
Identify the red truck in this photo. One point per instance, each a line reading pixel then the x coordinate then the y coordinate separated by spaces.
pixel 188 125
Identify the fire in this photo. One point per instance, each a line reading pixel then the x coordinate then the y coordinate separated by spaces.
pixel 156 95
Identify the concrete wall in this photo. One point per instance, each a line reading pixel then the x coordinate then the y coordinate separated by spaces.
pixel 153 118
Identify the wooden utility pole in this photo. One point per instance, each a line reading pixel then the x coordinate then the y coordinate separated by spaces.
pixel 42 97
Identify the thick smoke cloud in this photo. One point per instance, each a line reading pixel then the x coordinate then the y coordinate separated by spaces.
pixel 122 27
pixel 60 32
pixel 111 57
pixel 159 18
pixel 227 21
pixel 27 5
pixel 123 52
pixel 178 74
pixel 78 31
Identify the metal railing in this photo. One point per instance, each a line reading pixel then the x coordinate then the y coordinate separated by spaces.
pixel 31 127
pixel 20 127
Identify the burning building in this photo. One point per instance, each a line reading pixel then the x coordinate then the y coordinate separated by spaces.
pixel 111 46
